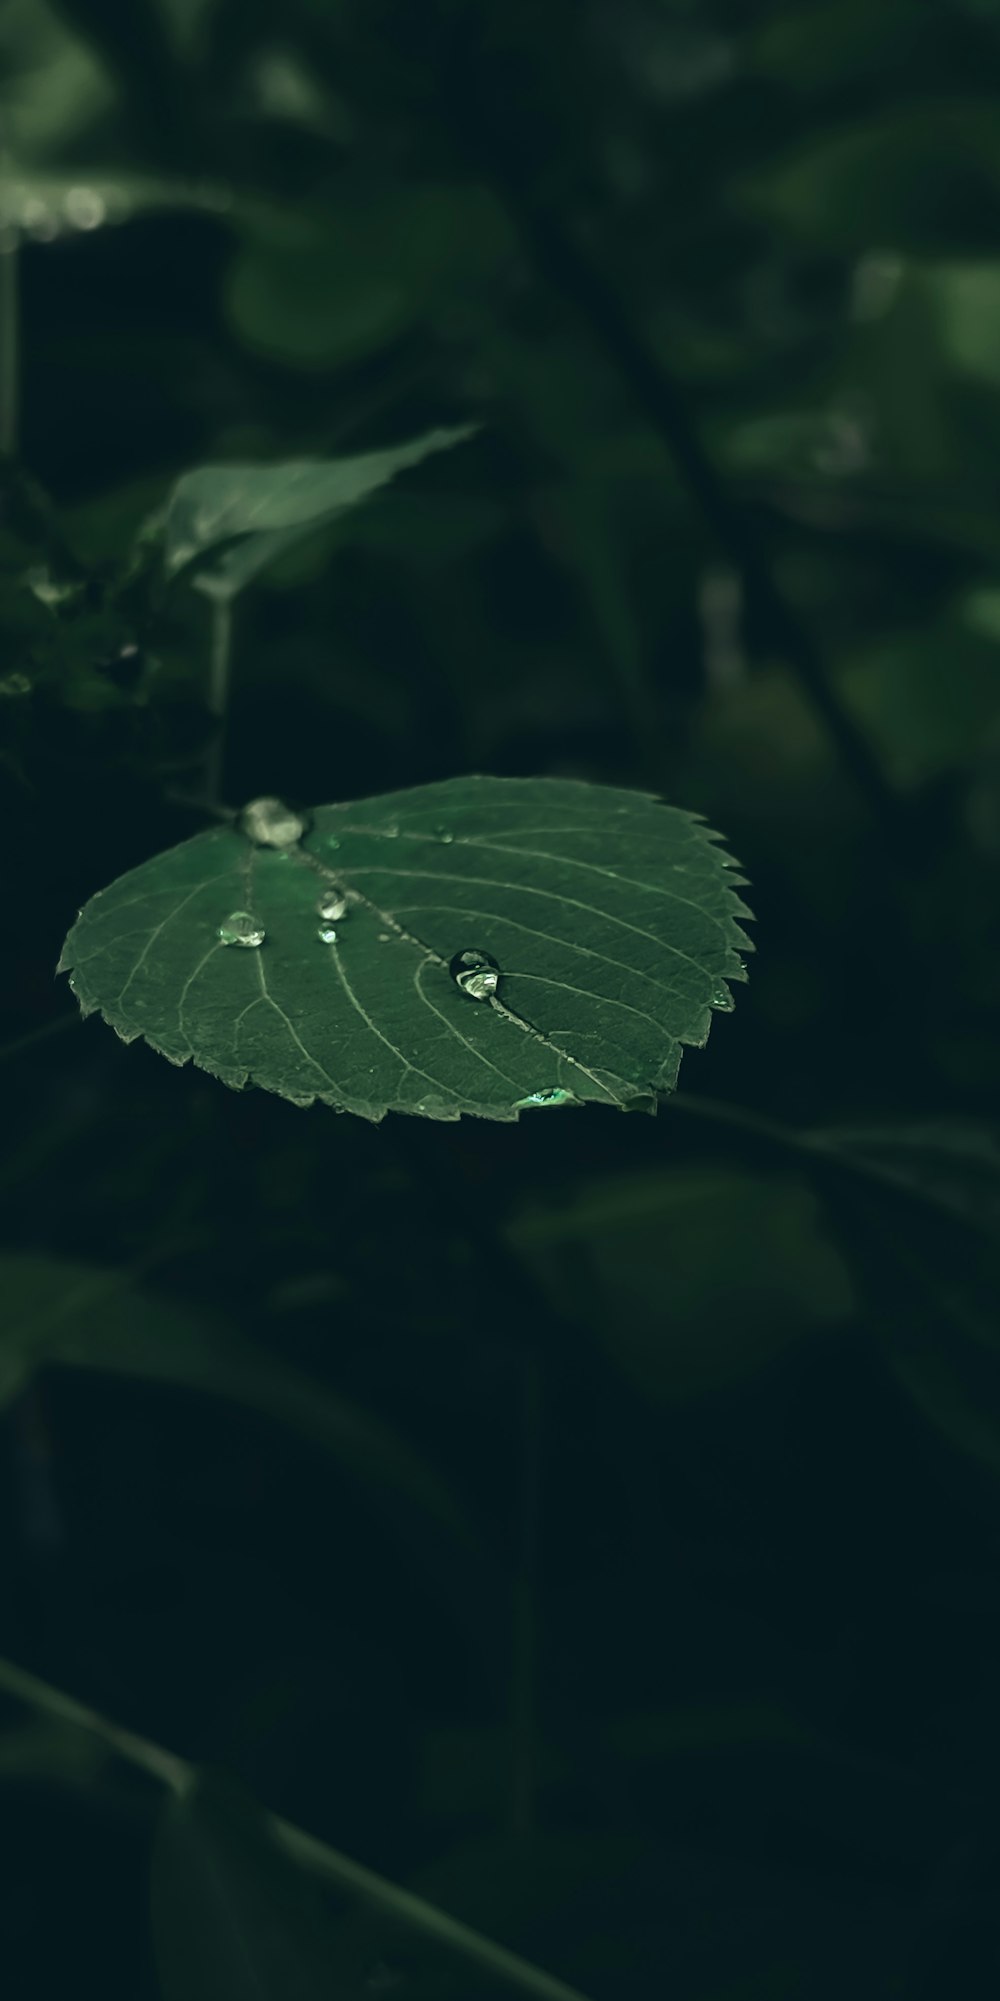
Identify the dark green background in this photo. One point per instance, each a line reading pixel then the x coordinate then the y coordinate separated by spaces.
pixel 767 1647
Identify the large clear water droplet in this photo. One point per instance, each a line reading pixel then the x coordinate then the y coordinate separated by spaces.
pixel 332 905
pixel 553 1097
pixel 85 208
pixel 476 974
pixel 269 823
pixel 239 928
pixel 327 935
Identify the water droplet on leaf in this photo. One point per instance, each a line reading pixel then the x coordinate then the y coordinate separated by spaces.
pixel 332 905
pixel 39 220
pixel 476 974
pixel 327 935
pixel 553 1097
pixel 85 208
pixel 269 823
pixel 391 832
pixel 442 834
pixel 239 928
pixel 722 998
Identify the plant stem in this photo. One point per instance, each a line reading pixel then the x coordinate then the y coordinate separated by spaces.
pixel 10 374
pixel 220 661
pixel 396 1903
pixel 525 1634
pixel 570 270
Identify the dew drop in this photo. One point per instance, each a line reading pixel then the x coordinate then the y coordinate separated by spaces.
pixel 269 823
pixel 476 974
pixel 85 208
pixel 327 935
pixel 332 841
pixel 552 1097
pixel 384 937
pixel 443 835
pixel 391 832
pixel 722 998
pixel 39 221
pixel 239 928
pixel 332 905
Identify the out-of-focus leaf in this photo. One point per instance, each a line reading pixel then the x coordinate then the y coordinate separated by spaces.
pixel 929 1272
pixel 966 298
pixel 233 1919
pixel 871 182
pixel 693 1278
pixel 349 282
pixel 263 511
pixel 929 701
pixel 836 41
pixel 481 946
pixel 53 86
pixel 87 1317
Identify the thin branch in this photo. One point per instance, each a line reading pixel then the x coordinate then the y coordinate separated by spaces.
pixel 220 663
pixel 10 311
pixel 524 1677
pixel 568 268
pixel 398 1904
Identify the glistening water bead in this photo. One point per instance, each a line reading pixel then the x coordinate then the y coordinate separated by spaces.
pixel 269 823
pixel 476 974
pixel 239 928
pixel 332 906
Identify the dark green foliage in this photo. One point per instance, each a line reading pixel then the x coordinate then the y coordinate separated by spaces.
pixel 588 1524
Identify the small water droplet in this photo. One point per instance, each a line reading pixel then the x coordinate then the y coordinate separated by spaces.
pixel 269 823
pixel 391 832
pixel 552 1097
pixel 384 937
pixel 39 220
pixel 476 974
pixel 443 835
pixel 722 998
pixel 332 905
pixel 85 208
pixel 332 841
pixel 327 935
pixel 239 928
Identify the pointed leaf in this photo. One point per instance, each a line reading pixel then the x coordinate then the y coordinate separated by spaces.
pixel 233 1919
pixel 59 1311
pixel 264 510
pixel 601 924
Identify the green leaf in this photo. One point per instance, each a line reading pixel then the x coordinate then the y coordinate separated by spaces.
pixel 611 919
pixel 233 1919
pixel 261 511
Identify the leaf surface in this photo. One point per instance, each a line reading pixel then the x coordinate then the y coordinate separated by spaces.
pixel 611 918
